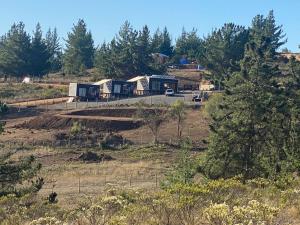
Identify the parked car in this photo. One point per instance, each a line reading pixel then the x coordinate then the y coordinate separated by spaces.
pixel 169 92
pixel 200 96
pixel 197 97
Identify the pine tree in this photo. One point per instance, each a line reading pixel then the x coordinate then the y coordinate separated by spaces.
pixel 166 47
pixel 188 45
pixel 79 53
pixel 222 50
pixel 291 85
pixel 15 51
pixel 156 41
pixel 247 137
pixel 39 54
pixel 265 30
pixel 144 54
pixel 12 175
pixel 54 49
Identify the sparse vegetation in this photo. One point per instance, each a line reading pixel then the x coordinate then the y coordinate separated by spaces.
pixel 178 112
pixel 246 172
pixel 153 118
pixel 21 92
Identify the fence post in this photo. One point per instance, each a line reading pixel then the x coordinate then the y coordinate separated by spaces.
pixel 156 180
pixel 130 180
pixel 79 184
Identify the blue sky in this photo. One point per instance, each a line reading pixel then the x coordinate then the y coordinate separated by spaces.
pixel 104 17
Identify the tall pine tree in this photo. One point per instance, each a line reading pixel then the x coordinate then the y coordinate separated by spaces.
pixel 79 52
pixel 188 45
pixel 54 49
pixel 15 51
pixel 222 51
pixel 39 54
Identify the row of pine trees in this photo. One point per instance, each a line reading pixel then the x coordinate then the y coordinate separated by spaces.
pixel 255 126
pixel 130 52
pixel 38 55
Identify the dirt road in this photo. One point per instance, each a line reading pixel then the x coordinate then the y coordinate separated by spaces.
pixel 40 102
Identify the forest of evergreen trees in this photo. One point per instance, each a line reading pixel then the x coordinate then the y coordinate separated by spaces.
pixel 130 52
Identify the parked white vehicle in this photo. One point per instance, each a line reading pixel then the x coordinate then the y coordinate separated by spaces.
pixel 169 92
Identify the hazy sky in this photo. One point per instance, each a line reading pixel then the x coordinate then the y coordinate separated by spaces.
pixel 104 17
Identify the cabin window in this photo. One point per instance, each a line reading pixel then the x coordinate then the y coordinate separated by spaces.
pixel 82 92
pixel 92 91
pixel 117 88
pixel 155 85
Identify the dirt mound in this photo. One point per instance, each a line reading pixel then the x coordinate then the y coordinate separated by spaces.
pixel 108 112
pixel 94 157
pixel 127 112
pixel 114 140
pixel 59 122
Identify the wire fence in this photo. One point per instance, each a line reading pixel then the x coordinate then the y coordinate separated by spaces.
pixel 95 181
pixel 85 144
pixel 61 103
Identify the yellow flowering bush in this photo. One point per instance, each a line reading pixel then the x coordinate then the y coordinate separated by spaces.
pixel 252 213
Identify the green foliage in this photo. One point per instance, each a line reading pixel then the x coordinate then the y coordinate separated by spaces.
pixel 15 51
pixel 30 91
pixel 153 118
pixel 252 213
pixel 129 53
pixel 79 52
pixel 211 202
pixel 76 128
pixel 12 174
pixel 251 129
pixel 54 50
pixel 265 31
pixel 3 108
pixel 184 169
pixel 188 45
pixel 178 113
pixel 222 50
pixel 212 106
pixel 21 54
pixel 40 64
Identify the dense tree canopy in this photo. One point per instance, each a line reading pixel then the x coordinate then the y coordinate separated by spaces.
pixel 40 56
pixel 22 55
pixel 15 51
pixel 130 53
pixel 254 128
pixel 79 52
pixel 54 50
pixel 188 45
pixel 223 49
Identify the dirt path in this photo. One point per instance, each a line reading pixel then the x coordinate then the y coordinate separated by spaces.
pixel 98 117
pixel 40 102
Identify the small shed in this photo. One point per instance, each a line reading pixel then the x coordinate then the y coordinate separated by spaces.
pixel 84 92
pixel 110 88
pixel 206 85
pixel 154 84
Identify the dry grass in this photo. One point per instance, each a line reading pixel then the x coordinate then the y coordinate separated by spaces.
pixel 133 168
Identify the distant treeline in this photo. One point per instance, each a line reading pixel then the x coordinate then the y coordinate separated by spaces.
pixel 130 52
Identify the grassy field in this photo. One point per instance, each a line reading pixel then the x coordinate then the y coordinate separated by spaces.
pixel 16 92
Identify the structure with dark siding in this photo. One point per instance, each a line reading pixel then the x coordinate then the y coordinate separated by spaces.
pixel 154 84
pixel 110 88
pixel 84 91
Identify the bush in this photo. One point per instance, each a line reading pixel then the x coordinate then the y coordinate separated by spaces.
pixel 252 213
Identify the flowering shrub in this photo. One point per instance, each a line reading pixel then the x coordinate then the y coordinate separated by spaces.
pixel 252 213
pixel 47 221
